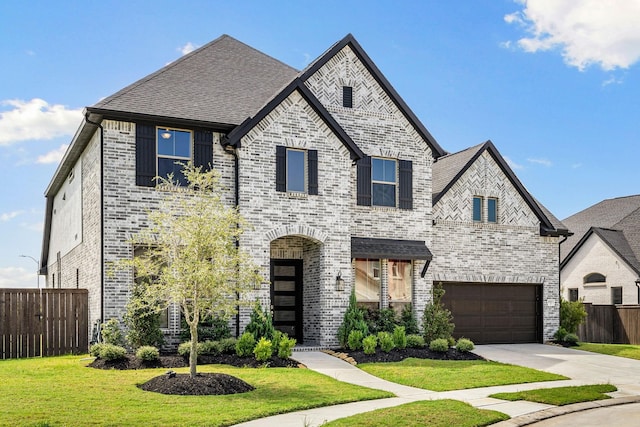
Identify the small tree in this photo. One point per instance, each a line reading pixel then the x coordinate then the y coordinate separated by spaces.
pixel 572 314
pixel 353 320
pixel 437 321
pixel 191 257
pixel 142 319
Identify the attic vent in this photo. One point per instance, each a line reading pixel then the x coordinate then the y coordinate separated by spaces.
pixel 347 96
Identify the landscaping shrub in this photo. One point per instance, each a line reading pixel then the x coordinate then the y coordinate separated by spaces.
pixel 571 339
pixel 572 314
pixel 465 345
pixel 263 350
pixel 112 352
pixel 355 340
pixel 285 347
pixel 381 320
pixel 275 341
pixel 386 341
pixel 148 353
pixel 415 341
pixel 408 320
pixel 260 323
pixel 353 320
pixel 228 345
pixel 245 345
pixel 209 348
pixel 111 333
pixel 142 320
pixel 184 349
pixel 399 337
pixel 439 344
pixel 437 321
pixel 210 328
pixel 560 334
pixel 369 344
pixel 95 349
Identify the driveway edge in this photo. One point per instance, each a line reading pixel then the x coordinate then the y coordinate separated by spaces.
pixel 534 417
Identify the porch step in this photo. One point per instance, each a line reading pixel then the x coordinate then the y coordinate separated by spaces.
pixel 310 347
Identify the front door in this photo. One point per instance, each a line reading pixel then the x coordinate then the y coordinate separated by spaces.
pixel 286 296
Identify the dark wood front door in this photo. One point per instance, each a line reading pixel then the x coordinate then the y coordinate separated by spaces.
pixel 286 296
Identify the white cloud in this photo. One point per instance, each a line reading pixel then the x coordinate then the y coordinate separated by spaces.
pixel 613 80
pixel 187 48
pixel 53 156
pixel 513 165
pixel 10 215
pixel 606 33
pixel 17 277
pixel 36 119
pixel 543 162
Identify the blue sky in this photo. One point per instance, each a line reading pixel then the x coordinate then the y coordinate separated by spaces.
pixel 554 84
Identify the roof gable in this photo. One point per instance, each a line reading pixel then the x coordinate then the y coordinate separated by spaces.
pixel 448 169
pixel 223 82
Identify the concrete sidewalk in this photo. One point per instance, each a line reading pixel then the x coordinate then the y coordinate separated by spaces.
pixel 579 366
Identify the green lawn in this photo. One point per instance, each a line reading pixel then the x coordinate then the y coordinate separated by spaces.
pixel 445 375
pixel 623 350
pixel 62 391
pixel 561 395
pixel 430 413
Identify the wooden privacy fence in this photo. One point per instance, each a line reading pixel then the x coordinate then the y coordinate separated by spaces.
pixel 611 324
pixel 43 322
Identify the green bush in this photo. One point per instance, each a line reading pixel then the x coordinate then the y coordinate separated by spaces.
pixel 572 314
pixel 96 349
pixel 465 345
pixel 369 344
pixel 353 320
pixel 228 345
pixel 184 349
pixel 399 337
pixel 285 347
pixel 386 341
pixel 111 333
pixel 148 353
pixel 380 320
pixel 209 348
pixel 112 352
pixel 210 328
pixel 275 341
pixel 437 321
pixel 245 345
pixel 415 341
pixel 560 334
pixel 355 340
pixel 571 339
pixel 439 344
pixel 263 350
pixel 142 319
pixel 260 323
pixel 408 320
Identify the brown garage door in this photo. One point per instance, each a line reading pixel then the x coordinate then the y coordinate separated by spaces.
pixel 495 313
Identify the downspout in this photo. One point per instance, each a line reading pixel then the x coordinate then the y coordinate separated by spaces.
pixel 559 274
pixel 236 163
pixel 86 117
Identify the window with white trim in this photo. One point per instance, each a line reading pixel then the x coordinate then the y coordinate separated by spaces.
pixel 492 210
pixel 383 182
pixel 296 176
pixel 477 209
pixel 174 146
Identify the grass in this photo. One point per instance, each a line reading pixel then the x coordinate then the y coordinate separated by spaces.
pixel 560 396
pixel 623 350
pixel 430 413
pixel 62 391
pixel 445 375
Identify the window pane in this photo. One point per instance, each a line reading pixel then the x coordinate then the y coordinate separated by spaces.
pixel 284 270
pixel 173 142
pixel 167 166
pixel 368 280
pixel 383 170
pixel 384 195
pixel 492 214
pixel 573 294
pixel 616 295
pixel 399 281
pixel 477 209
pixel 295 171
pixel 182 143
pixel 165 142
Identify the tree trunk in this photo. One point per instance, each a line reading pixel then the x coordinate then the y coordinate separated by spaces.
pixel 193 355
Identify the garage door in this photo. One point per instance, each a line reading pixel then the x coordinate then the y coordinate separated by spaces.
pixel 495 313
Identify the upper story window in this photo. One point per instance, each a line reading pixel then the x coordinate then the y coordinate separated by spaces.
pixel 296 170
pixel 383 182
pixel 595 278
pixel 174 147
pixel 479 209
pixel 492 210
pixel 347 96
pixel 573 294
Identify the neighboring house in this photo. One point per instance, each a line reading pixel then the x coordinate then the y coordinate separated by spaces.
pixel 600 262
pixel 342 184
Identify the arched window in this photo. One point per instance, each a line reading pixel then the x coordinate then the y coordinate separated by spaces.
pixel 594 278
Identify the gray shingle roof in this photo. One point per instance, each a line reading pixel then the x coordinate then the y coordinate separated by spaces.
pixel 224 81
pixel 622 213
pixel 362 247
pixel 446 168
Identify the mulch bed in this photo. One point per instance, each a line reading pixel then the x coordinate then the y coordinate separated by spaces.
pixel 201 385
pixel 419 353
pixel 175 361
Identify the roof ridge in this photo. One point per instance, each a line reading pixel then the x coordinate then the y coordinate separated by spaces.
pixel 477 146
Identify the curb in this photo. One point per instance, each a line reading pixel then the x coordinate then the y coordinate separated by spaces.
pixel 534 417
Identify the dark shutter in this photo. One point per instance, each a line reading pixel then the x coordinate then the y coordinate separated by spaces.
pixel 406 184
pixel 145 155
pixel 364 181
pixel 203 149
pixel 281 168
pixel 347 96
pixel 312 166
